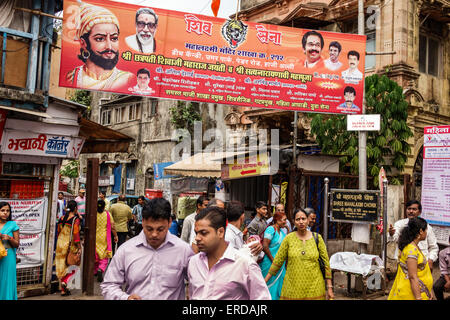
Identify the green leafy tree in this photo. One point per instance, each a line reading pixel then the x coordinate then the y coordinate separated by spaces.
pixel 184 114
pixel 83 97
pixel 70 170
pixel 388 147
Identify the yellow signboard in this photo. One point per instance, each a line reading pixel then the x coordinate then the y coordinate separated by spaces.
pixel 255 165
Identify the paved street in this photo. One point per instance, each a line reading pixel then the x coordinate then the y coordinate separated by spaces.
pixel 340 290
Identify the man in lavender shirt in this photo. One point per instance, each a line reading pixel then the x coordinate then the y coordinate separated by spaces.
pixel 219 271
pixel 153 264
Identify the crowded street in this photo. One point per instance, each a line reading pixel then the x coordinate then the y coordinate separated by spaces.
pixel 242 154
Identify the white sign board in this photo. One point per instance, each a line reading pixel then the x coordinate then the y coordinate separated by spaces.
pixel 40 144
pixel 31 217
pixel 363 122
pixel 436 178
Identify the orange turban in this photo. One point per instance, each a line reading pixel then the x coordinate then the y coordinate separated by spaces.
pixel 91 15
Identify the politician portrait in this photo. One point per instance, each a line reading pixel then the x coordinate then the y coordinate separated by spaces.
pixel 352 74
pixel 143 80
pixel 98 34
pixel 312 43
pixel 349 97
pixel 144 40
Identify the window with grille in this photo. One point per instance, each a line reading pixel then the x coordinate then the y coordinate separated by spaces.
pixel 105 117
pixel 429 55
pixel 134 112
pixel 120 114
pixel 153 107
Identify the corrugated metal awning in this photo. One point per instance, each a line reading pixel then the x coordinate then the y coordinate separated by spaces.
pixel 198 165
pixel 100 139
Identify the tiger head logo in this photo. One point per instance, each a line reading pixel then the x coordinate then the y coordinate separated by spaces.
pixel 234 32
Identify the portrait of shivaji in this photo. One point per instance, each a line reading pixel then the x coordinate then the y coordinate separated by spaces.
pixel 98 35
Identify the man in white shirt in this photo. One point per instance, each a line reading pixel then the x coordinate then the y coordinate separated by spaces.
pixel 311 218
pixel 144 39
pixel 219 271
pixel 214 202
pixel 61 205
pixel 188 222
pixel 152 265
pixel 333 63
pixel 352 74
pixel 233 233
pixel 428 246
pixel 142 86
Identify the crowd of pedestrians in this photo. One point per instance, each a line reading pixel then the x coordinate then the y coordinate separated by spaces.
pixel 215 253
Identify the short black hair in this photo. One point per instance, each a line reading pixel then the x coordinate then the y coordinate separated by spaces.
pixel 411 202
pixel 353 53
pixel 142 198
pixel 312 33
pixel 200 200
pixel 217 217
pixel 235 210
pixel 156 209
pixel 336 45
pixel 60 193
pixel 349 89
pixel 260 204
pixel 143 71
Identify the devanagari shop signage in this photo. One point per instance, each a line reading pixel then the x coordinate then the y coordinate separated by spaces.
pixel 436 176
pixel 127 49
pixel 36 144
pixel 354 206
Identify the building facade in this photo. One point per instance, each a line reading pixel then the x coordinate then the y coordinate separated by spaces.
pixel 416 30
pixel 149 122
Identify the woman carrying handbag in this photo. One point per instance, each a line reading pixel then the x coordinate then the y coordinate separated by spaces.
pixel 68 246
pixel 304 279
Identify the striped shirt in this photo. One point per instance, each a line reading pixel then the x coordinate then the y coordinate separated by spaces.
pixel 81 204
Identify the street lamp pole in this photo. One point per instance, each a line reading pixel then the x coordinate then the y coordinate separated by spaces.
pixel 360 231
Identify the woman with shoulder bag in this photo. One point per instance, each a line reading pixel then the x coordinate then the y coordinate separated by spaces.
pixel 273 237
pixel 304 279
pixel 68 246
pixel 9 239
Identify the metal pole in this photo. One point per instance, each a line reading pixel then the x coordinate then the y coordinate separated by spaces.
pixel 325 212
pixel 362 138
pixel 294 147
pixel 385 185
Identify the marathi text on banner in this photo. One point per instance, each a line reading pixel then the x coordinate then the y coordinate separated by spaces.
pixel 31 217
pixel 183 56
pixel 436 176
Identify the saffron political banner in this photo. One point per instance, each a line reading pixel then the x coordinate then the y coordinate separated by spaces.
pixel 129 49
